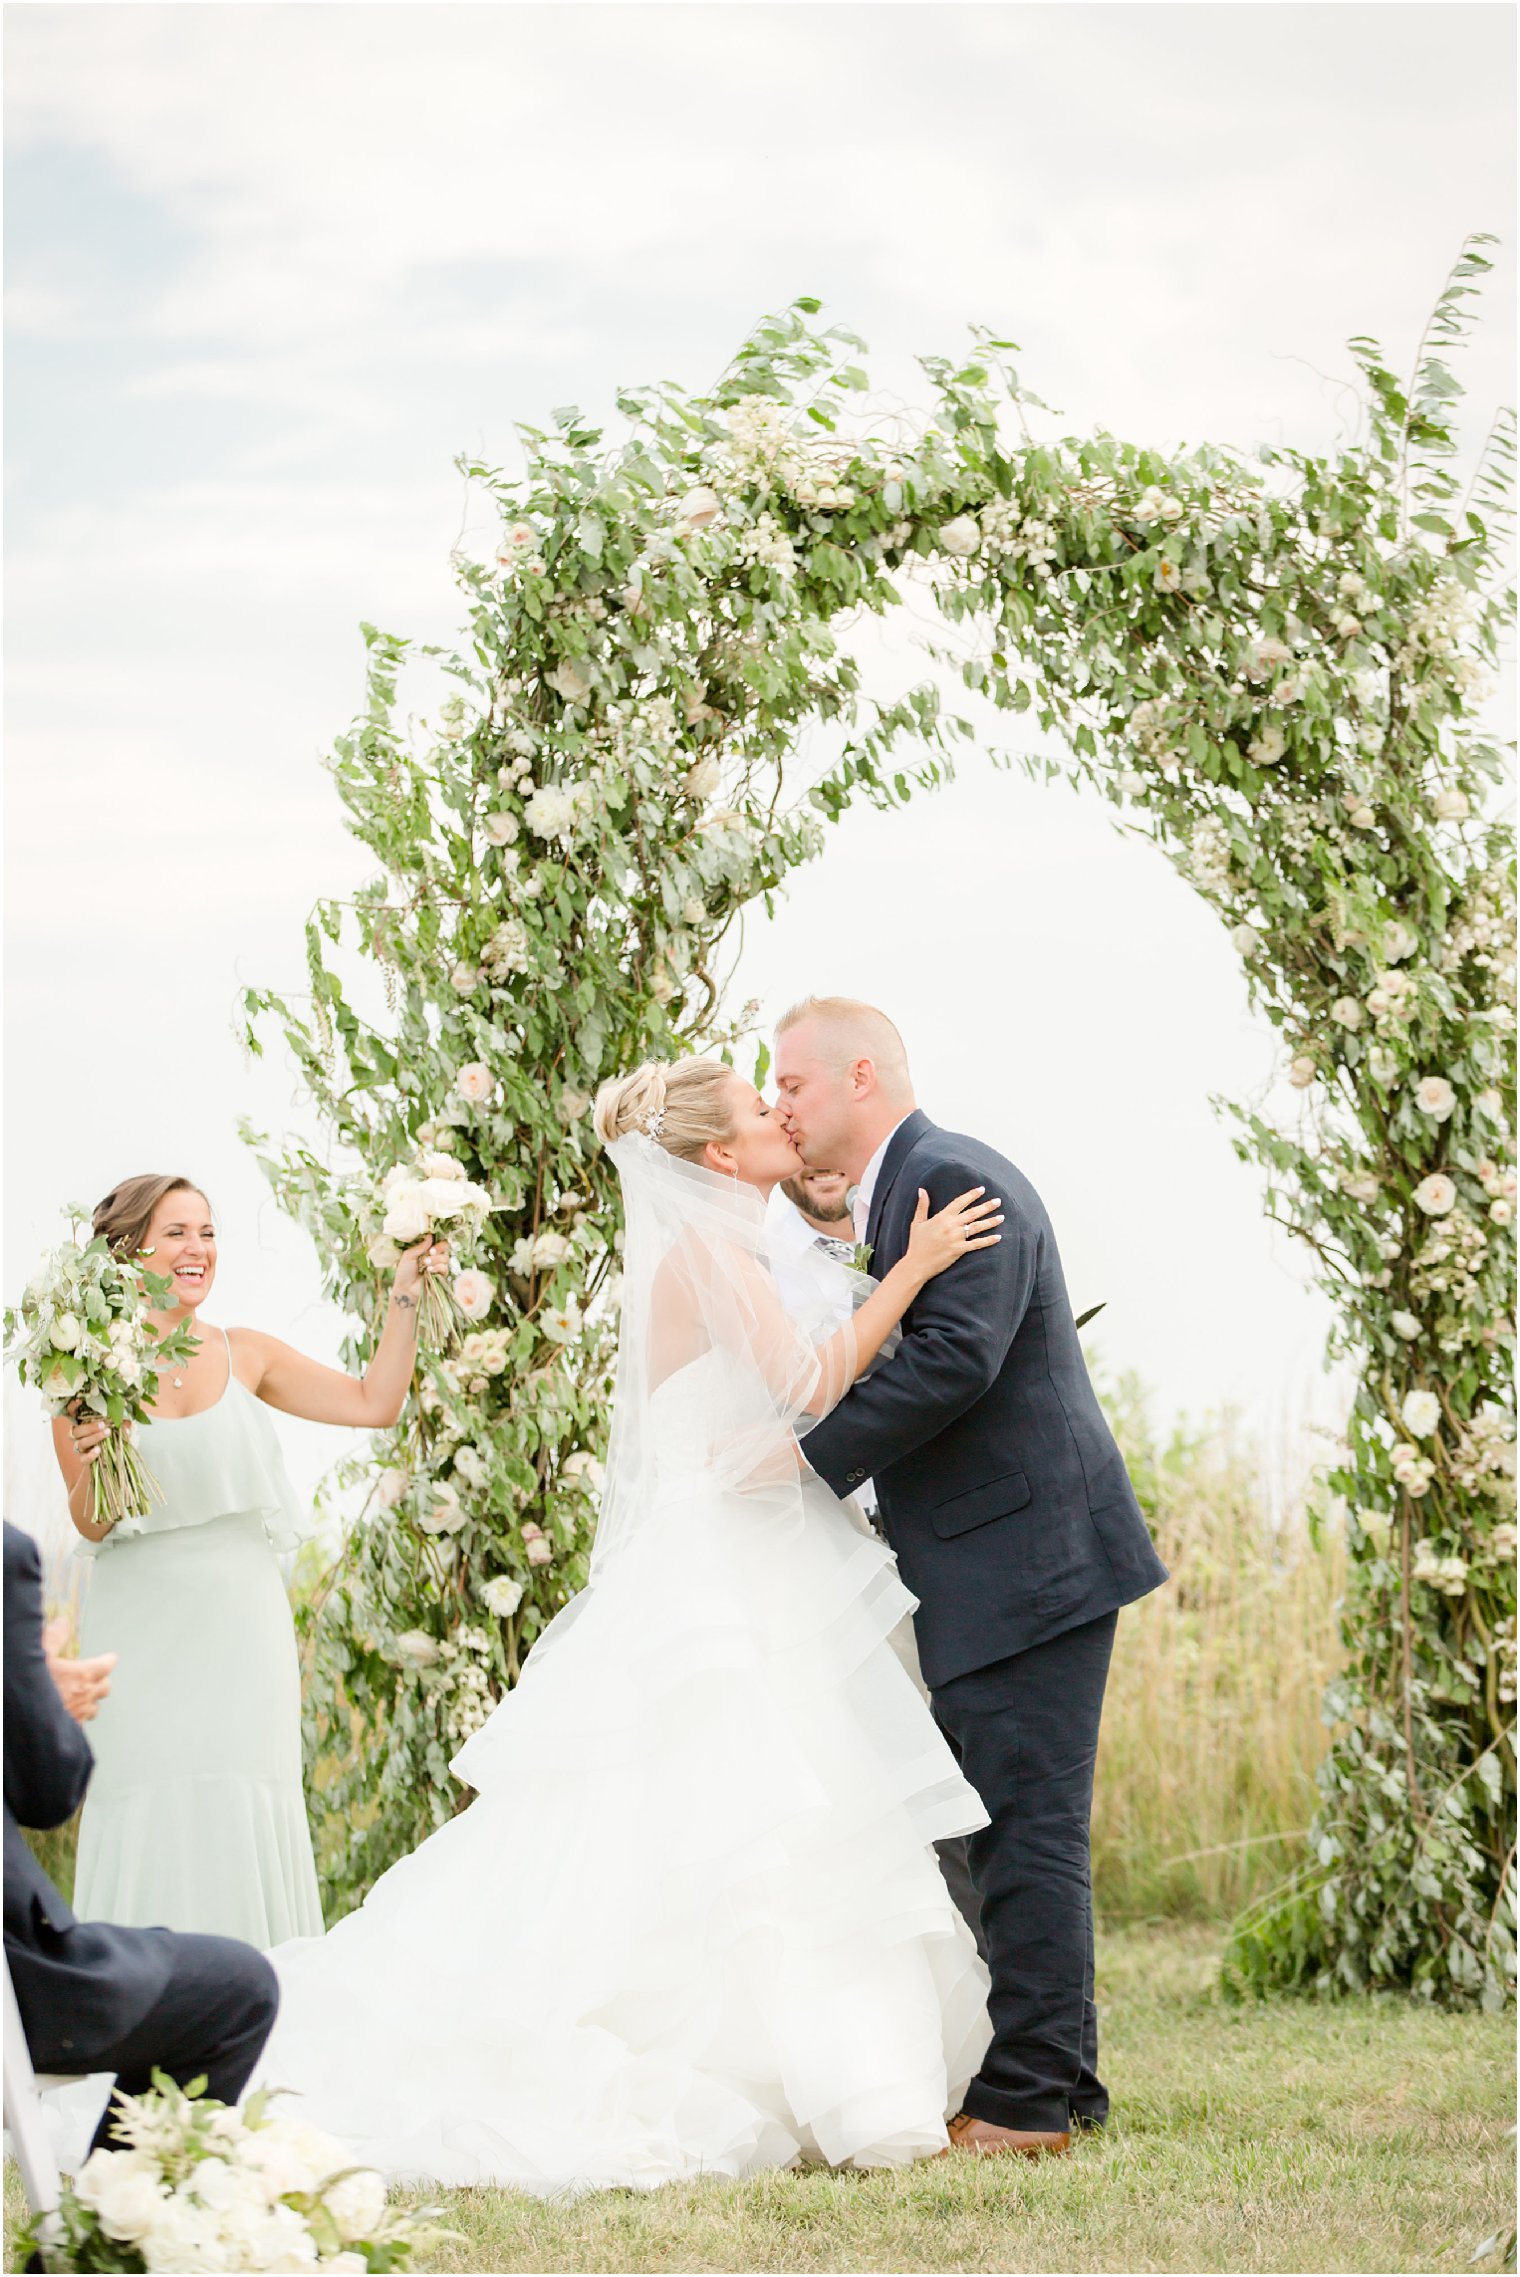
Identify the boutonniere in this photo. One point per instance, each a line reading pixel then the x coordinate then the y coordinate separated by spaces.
pixel 861 1255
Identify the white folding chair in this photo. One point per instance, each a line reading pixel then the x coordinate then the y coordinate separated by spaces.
pixel 30 2140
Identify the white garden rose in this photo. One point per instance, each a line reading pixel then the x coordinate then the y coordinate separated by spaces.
pixel 123 2189
pixel 1363 817
pixel 435 1164
pixel 703 779
pixel 550 811
pixel 1451 806
pixel 501 826
pixel 539 1548
pixel 1268 747
pixel 474 1082
pixel 501 1596
pixel 1421 1413
pixel 1500 1210
pixel 571 680
pixel 1435 1097
pixel 583 1465
pixel 451 1197
pixel 550 1249
pixel 183 2241
pixel 1245 940
pixel 474 1293
pixel 390 1487
pixel 68 1332
pixel 445 1513
pixel 1382 1065
pixel 417 1648
pixel 1436 1195
pixel 1361 1186
pixel 1399 941
pixel 406 1219
pixel 960 536
pixel 223 2187
pixel 1303 1072
pixel 699 507
pixel 465 979
pixel 1404 1324
pixel 470 1465
pixel 356 2203
pixel 1490 1103
pixel 1346 1012
pixel 1264 655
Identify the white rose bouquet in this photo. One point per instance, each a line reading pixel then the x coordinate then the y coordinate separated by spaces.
pixel 84 1336
pixel 202 2187
pixel 430 1198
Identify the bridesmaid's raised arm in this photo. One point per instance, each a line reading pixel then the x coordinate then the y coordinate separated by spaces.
pixel 298 1385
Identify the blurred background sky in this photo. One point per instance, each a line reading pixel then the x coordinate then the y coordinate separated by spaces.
pixel 269 268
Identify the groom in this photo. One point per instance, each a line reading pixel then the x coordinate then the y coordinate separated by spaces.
pixel 1015 1526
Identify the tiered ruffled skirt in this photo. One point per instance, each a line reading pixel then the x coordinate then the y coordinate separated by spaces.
pixel 692 1922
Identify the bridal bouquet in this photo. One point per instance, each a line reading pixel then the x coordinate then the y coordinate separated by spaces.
pixel 83 1334
pixel 428 1197
pixel 203 2187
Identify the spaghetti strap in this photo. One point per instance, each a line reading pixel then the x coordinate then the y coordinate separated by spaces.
pixel 227 1340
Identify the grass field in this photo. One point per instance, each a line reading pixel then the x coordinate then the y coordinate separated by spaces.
pixel 1275 2136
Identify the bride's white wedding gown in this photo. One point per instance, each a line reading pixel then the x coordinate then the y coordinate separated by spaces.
pixel 692 1922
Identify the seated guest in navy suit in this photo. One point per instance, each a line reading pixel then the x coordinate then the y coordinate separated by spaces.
pixel 94 1997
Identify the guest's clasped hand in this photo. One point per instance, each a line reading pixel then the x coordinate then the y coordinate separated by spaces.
pixel 82 1684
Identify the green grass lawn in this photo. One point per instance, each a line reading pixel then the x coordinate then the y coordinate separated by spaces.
pixel 1280 2136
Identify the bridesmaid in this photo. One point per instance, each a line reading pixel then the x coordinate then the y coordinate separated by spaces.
pixel 195 1817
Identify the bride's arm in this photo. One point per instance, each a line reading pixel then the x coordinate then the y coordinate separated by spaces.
pixel 934 1244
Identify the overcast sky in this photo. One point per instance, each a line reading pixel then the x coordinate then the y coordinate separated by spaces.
pixel 270 267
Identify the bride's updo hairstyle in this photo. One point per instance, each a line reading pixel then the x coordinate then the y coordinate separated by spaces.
pixel 127 1211
pixel 687 1103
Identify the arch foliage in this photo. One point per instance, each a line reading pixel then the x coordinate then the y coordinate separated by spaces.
pixel 1271 667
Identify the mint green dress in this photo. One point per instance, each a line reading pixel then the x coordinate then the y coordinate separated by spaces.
pixel 196 1816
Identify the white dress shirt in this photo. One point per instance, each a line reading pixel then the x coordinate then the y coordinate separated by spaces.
pixel 865 1192
pixel 811 1290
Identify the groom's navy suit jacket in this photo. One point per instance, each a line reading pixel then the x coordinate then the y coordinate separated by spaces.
pixel 1000 1486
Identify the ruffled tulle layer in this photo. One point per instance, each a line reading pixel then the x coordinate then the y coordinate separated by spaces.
pixel 692 1922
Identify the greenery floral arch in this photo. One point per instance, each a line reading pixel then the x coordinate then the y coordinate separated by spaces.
pixel 1271 667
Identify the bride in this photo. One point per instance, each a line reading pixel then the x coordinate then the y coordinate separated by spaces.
pixel 692 1922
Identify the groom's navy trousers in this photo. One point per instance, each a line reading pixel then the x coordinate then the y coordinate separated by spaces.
pixel 1015 1525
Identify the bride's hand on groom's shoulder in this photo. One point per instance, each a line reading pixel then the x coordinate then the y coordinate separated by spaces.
pixel 967 1223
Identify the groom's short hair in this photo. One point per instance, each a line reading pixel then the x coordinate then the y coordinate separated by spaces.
pixel 851 1030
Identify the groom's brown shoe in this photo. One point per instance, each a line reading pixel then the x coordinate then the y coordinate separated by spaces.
pixel 986 2140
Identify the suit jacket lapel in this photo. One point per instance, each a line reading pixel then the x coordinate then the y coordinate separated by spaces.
pixel 904 1139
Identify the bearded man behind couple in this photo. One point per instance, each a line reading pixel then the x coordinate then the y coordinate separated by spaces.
pixel 1005 1497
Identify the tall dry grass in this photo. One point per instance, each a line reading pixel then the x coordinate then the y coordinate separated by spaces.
pixel 1211 1728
